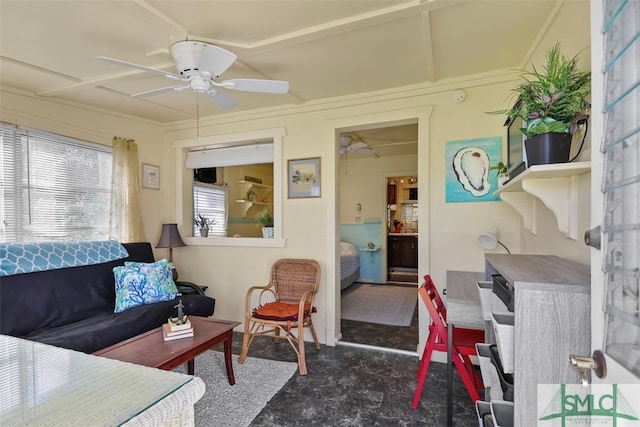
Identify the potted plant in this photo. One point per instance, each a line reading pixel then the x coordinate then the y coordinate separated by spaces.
pixel 501 173
pixel 265 218
pixel 552 103
pixel 203 223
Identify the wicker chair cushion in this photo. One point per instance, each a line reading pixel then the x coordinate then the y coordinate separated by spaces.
pixel 280 311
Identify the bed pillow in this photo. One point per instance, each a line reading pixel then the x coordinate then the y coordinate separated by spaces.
pixel 139 283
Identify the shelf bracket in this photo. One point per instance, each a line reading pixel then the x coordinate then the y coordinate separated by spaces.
pixel 556 185
pixel 560 195
pixel 525 205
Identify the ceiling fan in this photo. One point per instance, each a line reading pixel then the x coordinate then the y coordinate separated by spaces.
pixel 199 66
pixel 348 145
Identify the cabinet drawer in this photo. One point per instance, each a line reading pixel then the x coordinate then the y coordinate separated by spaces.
pixel 503 326
pixel 504 290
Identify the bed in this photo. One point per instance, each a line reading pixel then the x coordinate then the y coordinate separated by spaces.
pixel 349 264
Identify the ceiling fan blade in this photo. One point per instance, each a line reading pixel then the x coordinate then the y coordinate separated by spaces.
pixel 139 67
pixel 256 85
pixel 222 100
pixel 215 60
pixel 160 90
pixel 359 146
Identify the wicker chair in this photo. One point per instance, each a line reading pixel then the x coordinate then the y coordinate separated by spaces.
pixel 294 284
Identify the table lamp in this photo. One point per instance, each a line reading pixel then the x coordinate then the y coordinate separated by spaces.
pixel 489 240
pixel 170 238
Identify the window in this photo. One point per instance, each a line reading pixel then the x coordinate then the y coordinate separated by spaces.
pixel 53 187
pixel 211 201
pixel 235 199
pixel 410 217
pixel 249 167
pixel 245 171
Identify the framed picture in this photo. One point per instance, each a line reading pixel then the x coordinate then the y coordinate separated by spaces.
pixel 469 177
pixel 150 176
pixel 304 178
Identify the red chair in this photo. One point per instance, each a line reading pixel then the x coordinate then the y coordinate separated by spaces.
pixel 464 341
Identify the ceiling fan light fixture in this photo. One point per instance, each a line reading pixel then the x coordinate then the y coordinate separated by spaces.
pixel 345 140
pixel 199 84
pixel 187 55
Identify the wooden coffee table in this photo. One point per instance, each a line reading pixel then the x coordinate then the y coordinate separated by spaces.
pixel 150 349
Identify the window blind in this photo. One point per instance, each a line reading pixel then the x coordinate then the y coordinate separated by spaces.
pixel 54 188
pixel 211 201
pixel 230 156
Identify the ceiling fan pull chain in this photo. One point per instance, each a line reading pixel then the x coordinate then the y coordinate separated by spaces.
pixel 198 116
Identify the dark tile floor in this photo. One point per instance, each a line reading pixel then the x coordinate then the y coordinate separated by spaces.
pixel 349 386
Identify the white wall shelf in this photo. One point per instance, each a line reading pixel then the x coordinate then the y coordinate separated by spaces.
pixel 556 185
pixel 262 193
pixel 255 184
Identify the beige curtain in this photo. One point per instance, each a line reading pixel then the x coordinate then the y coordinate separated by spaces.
pixel 126 218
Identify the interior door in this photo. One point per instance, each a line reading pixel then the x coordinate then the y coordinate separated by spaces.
pixel 615 194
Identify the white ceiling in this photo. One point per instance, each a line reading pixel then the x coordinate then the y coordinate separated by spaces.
pixel 323 48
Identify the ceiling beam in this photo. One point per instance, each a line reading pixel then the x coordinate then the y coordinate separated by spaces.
pixel 428 46
pixel 37 68
pixel 96 81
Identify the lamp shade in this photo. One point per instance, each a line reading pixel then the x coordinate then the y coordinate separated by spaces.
pixel 488 240
pixel 170 237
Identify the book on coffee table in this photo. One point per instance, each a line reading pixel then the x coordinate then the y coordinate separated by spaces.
pixel 174 326
pixel 170 335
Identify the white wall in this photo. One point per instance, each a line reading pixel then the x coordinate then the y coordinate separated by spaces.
pixel 572 28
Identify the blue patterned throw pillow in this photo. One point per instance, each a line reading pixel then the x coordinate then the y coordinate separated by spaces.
pixel 139 283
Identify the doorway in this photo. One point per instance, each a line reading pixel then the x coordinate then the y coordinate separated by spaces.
pixel 370 155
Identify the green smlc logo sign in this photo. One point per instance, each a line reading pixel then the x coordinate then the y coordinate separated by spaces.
pixel 585 408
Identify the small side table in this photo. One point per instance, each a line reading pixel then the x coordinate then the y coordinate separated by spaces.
pixel 370 250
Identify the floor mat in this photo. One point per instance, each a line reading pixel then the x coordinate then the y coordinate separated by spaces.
pixel 380 304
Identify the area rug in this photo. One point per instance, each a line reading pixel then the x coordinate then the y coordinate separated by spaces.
pixel 380 304
pixel 257 381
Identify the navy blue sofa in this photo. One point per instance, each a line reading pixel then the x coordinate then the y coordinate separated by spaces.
pixel 73 307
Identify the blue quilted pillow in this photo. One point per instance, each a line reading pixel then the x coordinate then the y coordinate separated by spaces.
pixel 139 283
